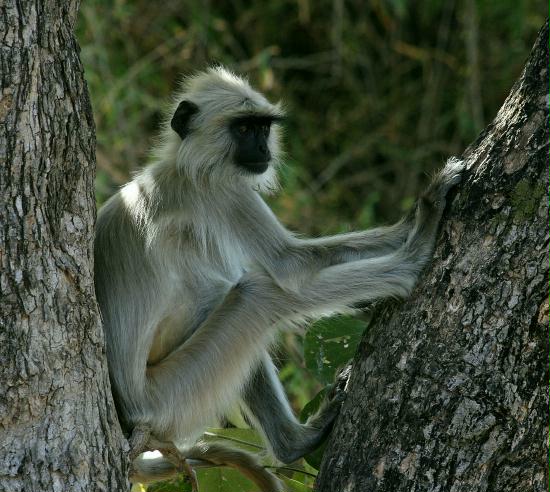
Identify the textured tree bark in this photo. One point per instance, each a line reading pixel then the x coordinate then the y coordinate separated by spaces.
pixel 449 390
pixel 58 426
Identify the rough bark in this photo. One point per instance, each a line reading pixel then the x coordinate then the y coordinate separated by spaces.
pixel 449 390
pixel 58 426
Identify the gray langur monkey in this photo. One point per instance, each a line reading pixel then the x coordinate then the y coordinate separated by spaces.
pixel 195 275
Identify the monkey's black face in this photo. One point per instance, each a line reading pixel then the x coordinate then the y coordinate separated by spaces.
pixel 250 134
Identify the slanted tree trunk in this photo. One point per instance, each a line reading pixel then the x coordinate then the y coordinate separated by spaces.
pixel 449 390
pixel 58 426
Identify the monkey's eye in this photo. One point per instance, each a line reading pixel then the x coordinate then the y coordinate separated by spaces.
pixel 242 129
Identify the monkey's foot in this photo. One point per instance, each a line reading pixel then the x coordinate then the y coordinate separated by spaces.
pixel 309 436
pixel 141 441
pixel 141 434
pixel 173 454
pixel 336 395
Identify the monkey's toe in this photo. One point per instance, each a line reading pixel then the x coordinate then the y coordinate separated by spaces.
pixel 138 440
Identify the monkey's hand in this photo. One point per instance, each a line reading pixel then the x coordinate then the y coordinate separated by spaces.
pixel 429 209
pixel 443 181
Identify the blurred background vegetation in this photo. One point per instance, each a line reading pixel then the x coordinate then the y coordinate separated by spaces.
pixel 379 93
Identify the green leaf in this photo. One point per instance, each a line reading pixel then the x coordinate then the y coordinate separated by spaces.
pixel 247 439
pixel 294 486
pixel 312 407
pixel 314 458
pixel 331 343
pixel 223 479
pixel 180 484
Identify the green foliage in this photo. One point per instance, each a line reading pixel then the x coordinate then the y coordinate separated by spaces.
pixel 378 92
pixel 328 346
pixel 224 480
pixel 295 486
pixel 179 484
pixel 314 459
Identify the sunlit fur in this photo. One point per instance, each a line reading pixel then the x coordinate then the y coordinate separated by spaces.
pixel 195 275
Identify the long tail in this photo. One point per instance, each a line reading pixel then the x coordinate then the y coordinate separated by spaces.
pixel 205 455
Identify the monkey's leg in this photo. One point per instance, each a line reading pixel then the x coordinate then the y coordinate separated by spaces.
pixel 268 408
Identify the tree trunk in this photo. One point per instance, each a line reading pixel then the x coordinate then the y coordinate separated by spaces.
pixel 449 389
pixel 58 427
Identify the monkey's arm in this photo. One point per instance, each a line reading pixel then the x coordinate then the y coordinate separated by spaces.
pixel 343 248
pixel 217 358
pixel 292 260
pixel 299 259
pixel 287 256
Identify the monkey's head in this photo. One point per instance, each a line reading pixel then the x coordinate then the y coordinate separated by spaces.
pixel 227 131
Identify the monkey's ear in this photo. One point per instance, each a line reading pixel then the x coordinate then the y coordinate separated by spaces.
pixel 182 116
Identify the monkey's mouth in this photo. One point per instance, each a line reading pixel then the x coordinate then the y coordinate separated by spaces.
pixel 254 167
